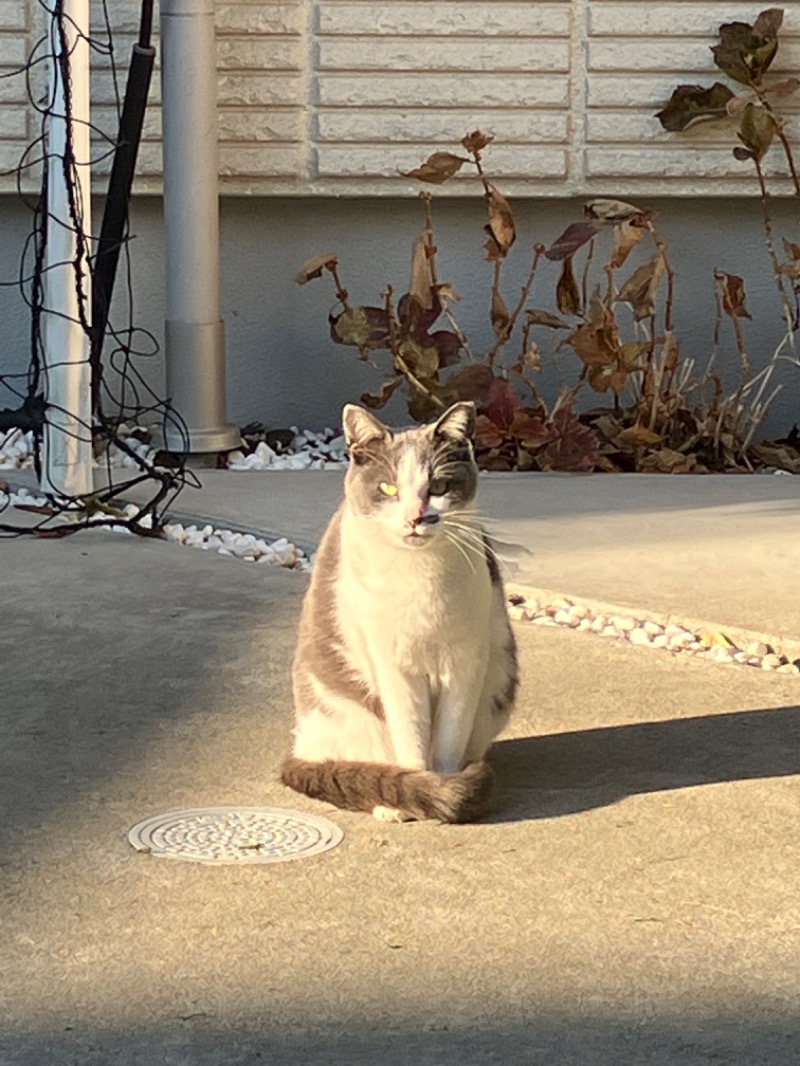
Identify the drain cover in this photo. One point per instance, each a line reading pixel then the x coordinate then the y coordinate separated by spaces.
pixel 235 835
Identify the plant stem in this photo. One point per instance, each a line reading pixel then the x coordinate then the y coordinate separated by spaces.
pixel 427 199
pixel 341 291
pixel 770 242
pixel 787 148
pixel 525 291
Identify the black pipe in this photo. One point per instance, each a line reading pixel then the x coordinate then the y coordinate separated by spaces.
pixel 115 215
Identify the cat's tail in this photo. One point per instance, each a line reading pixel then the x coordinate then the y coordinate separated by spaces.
pixel 361 786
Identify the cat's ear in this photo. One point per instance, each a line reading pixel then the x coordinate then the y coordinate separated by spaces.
pixel 360 427
pixel 457 423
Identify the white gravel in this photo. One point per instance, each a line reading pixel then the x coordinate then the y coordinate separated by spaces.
pixel 326 450
pixel 642 631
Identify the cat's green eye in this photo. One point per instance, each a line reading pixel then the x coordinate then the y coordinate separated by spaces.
pixel 387 488
pixel 438 486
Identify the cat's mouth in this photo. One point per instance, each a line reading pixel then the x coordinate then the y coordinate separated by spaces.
pixel 415 539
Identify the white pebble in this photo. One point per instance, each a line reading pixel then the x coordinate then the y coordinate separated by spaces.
pixel 622 622
pixel 771 662
pixel 758 647
pixel 638 636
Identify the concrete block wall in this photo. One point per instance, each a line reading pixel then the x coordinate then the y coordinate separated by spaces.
pixel 339 97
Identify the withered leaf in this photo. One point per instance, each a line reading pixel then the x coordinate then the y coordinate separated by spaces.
pixel 501 218
pixel 641 287
pixel 573 238
pixel 530 429
pixel 694 103
pixel 756 130
pixel 501 404
pixel 668 461
pixel 379 399
pixel 491 248
pixel 422 360
pixel 769 23
pixel 445 291
pixel 414 318
pixel 784 88
pixel 574 447
pixel 365 328
pixel 545 318
pixel 447 346
pixel 476 141
pixel 639 436
pixel 731 288
pixel 604 209
pixel 626 236
pixel 532 358
pixel 745 53
pixel 792 250
pixel 472 382
pixel 603 378
pixel 437 168
pixel 420 285
pixel 595 345
pixel 568 296
pixel 631 353
pixel 499 313
pixel 313 267
pixel 487 434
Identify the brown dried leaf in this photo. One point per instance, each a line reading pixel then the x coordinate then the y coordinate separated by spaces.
pixel 500 315
pixel 487 434
pixel 574 447
pixel 641 287
pixel 491 248
pixel 437 168
pixel 627 235
pixel 379 399
pixel 668 461
pixel 595 346
pixel 420 285
pixel 694 103
pixel 568 295
pixel 756 130
pixel 422 360
pixel 603 209
pixel 638 436
pixel 532 358
pixel 783 88
pixel 545 318
pixel 768 23
pixel 313 267
pixel 573 238
pixel 530 429
pixel 472 382
pixel 476 141
pixel 446 291
pixel 501 404
pixel 365 328
pixel 501 218
pixel 731 287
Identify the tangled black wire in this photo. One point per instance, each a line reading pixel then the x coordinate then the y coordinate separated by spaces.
pixel 121 397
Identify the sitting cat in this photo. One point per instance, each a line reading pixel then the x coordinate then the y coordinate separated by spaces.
pixel 405 668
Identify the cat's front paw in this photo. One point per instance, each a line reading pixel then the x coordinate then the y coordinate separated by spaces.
pixel 391 814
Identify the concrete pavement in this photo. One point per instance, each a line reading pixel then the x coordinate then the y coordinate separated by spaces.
pixel 633 900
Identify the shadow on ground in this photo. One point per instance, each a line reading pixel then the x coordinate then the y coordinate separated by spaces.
pixel 542 1041
pixel 562 773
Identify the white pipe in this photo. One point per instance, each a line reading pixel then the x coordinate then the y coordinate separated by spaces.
pixel 194 332
pixel 67 442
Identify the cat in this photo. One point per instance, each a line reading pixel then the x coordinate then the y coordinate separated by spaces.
pixel 405 668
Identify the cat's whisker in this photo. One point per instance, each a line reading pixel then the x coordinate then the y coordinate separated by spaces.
pixel 452 537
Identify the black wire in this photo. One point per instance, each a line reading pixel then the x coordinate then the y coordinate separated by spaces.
pixel 129 398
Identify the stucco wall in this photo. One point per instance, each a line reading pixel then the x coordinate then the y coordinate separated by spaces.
pixel 282 367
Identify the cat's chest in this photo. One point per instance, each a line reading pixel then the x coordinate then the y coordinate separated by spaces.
pixel 421 617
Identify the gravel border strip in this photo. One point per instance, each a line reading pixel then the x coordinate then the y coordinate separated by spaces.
pixel 728 645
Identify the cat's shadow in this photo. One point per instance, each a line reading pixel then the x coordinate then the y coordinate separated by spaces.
pixel 563 773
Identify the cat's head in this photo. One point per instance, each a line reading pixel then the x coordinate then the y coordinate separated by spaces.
pixel 410 480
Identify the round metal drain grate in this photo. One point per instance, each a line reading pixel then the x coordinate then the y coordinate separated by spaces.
pixel 235 835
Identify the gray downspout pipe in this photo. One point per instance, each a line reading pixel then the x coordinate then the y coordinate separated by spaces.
pixel 193 330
